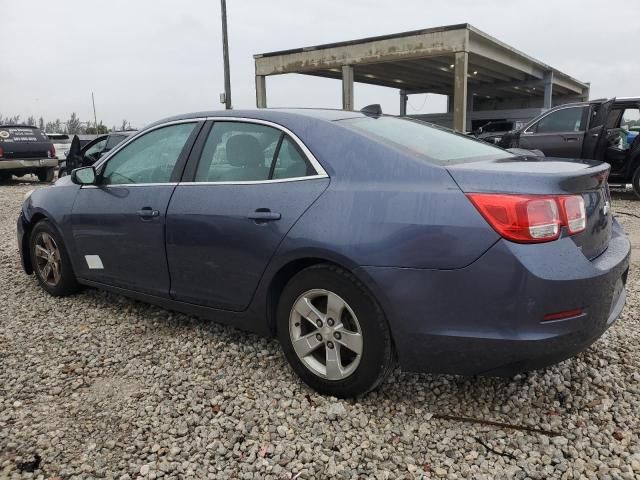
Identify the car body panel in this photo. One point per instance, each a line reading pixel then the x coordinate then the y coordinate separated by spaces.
pixel 216 253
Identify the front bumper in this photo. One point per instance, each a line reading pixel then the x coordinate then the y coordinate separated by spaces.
pixel 487 318
pixel 27 164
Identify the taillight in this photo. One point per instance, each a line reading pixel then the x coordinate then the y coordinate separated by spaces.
pixel 574 215
pixel 531 218
pixel 1 152
pixel 52 152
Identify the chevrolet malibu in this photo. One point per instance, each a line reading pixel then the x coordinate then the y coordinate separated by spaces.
pixel 359 240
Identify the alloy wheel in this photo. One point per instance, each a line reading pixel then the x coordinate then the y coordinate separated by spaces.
pixel 325 334
pixel 48 261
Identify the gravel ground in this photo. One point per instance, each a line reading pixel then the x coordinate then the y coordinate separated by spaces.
pixel 97 385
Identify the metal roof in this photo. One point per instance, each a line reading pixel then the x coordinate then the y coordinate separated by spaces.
pixel 423 61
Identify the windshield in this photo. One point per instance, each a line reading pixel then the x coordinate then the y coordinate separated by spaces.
pixel 438 145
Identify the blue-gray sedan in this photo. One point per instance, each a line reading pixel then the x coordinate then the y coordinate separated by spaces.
pixel 357 239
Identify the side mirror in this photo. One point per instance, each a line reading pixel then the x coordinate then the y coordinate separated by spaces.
pixel 84 176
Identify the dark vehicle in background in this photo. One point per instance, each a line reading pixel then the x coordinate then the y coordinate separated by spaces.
pixel 605 130
pixel 356 239
pixel 85 153
pixel 492 132
pixel 24 150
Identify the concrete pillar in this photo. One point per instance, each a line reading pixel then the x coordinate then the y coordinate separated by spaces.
pixel 548 89
pixel 347 87
pixel 403 103
pixel 460 91
pixel 585 93
pixel 261 91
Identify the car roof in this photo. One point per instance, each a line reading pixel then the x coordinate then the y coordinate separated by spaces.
pixel 15 125
pixel 272 114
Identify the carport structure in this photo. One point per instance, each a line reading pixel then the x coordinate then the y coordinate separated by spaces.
pixel 474 69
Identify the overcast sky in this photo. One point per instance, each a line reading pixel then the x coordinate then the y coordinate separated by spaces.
pixel 147 59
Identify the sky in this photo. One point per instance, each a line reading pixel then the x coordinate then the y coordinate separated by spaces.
pixel 148 59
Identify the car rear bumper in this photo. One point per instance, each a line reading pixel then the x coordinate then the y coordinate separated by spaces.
pixel 487 318
pixel 28 164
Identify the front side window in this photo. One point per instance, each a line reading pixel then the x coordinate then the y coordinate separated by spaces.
pixel 95 150
pixel 150 158
pixel 113 140
pixel 436 144
pixel 564 120
pixel 241 152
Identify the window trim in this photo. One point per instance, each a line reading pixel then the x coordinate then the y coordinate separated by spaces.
pixel 527 130
pixel 320 171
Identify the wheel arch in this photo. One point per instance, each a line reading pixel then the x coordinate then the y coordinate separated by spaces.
pixel 26 239
pixel 288 270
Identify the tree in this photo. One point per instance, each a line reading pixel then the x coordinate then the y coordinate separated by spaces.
pixel 31 121
pixel 101 129
pixel 73 124
pixel 41 123
pixel 126 125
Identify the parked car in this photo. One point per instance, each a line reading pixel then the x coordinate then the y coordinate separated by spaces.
pixel 61 142
pixel 25 149
pixel 492 132
pixel 603 130
pixel 83 153
pixel 356 239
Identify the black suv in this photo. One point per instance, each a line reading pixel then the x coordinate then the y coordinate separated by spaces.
pixel 605 130
pixel 83 156
pixel 25 149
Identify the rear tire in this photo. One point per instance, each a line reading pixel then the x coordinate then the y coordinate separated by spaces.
pixel 46 175
pixel 50 260
pixel 635 182
pixel 345 356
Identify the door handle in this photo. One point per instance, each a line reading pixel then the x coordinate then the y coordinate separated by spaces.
pixel 570 139
pixel 262 215
pixel 148 212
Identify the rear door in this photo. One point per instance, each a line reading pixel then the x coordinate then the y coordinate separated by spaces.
pixel 559 133
pixel 249 182
pixel 595 141
pixel 119 224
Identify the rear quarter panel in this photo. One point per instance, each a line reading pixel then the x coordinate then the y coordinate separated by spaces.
pixel 385 207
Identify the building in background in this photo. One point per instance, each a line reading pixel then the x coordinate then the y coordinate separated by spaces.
pixel 484 78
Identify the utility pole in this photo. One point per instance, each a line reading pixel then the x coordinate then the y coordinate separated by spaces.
pixel 225 55
pixel 95 118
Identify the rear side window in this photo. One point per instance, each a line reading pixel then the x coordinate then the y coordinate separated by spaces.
pixel 22 134
pixel 564 120
pixel 113 140
pixel 237 152
pixel 290 163
pixel 249 152
pixel 438 145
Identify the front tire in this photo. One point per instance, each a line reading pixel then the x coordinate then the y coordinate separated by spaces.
pixel 46 175
pixel 333 332
pixel 635 182
pixel 51 262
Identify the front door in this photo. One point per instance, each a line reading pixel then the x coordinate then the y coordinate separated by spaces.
pixel 595 140
pixel 119 224
pixel 558 134
pixel 251 185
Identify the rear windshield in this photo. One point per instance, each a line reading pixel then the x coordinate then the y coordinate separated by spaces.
pixel 438 145
pixel 22 134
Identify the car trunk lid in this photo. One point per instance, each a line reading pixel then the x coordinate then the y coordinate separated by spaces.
pixel 548 176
